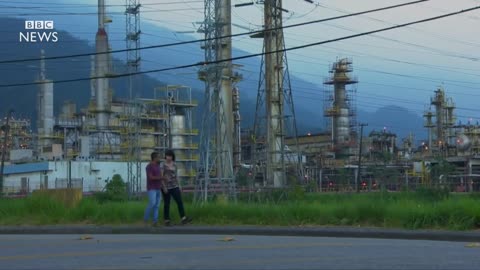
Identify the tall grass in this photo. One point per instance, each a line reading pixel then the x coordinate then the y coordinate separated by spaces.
pixel 414 210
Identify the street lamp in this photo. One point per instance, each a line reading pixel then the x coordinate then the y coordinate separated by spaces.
pixel 5 129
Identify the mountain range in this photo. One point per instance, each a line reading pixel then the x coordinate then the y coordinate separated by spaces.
pixel 23 98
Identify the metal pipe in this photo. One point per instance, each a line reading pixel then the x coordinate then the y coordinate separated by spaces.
pixel 360 157
pixel 4 147
pixel 92 74
pixel 101 14
pixel 237 130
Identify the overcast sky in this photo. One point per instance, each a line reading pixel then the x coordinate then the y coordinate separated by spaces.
pixel 402 66
pixel 407 64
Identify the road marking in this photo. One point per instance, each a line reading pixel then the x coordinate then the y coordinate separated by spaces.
pixel 166 250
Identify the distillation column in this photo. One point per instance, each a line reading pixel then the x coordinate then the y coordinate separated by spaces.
pixel 224 51
pixel 341 110
pixel 46 119
pixel 439 103
pixel 101 69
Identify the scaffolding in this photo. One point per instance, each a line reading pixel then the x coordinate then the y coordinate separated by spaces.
pixel 441 124
pixel 178 106
pixel 340 108
pixel 19 135
pixel 133 125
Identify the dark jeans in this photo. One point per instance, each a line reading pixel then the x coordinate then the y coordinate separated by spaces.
pixel 177 196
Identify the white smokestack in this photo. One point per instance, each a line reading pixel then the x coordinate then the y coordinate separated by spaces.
pixel 101 14
pixel 46 120
pixel 92 74
pixel 101 69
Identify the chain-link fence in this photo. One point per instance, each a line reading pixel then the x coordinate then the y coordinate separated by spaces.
pixel 69 183
pixel 386 178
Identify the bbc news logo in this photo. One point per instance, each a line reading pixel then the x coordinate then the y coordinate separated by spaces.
pixel 38 31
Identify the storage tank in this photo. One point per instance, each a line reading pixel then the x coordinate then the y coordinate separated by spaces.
pixel 178 141
pixel 463 142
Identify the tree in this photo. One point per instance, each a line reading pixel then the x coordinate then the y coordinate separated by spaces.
pixel 115 190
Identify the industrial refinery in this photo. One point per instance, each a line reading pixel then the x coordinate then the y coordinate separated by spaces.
pixel 85 147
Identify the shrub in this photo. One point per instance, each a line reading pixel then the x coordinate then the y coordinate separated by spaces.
pixel 115 190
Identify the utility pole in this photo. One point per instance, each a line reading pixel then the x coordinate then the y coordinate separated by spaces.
pixel 6 129
pixel 360 156
pixel 274 104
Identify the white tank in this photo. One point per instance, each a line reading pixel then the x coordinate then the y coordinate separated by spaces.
pixel 463 142
pixel 342 132
pixel 178 140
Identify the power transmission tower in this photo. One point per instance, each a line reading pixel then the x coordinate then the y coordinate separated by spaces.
pixel 133 108
pixel 275 114
pixel 216 138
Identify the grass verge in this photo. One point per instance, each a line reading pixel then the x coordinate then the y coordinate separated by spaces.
pixel 388 210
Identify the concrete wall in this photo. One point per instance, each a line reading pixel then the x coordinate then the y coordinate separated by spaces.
pixel 94 174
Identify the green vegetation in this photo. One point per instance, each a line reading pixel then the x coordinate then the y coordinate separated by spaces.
pixel 423 209
pixel 115 190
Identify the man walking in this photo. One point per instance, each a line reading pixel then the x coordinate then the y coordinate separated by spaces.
pixel 154 186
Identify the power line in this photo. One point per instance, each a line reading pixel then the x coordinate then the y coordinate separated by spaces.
pixel 92 13
pixel 258 54
pixel 316 75
pixel 70 5
pixel 393 60
pixel 411 28
pixel 227 36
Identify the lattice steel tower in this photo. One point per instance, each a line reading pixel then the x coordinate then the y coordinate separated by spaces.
pixel 132 107
pixel 216 138
pixel 275 109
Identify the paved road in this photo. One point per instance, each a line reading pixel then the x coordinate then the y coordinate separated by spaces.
pixel 244 252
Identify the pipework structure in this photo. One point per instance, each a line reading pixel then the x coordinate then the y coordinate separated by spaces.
pixel 340 103
pixel 441 123
pixel 177 105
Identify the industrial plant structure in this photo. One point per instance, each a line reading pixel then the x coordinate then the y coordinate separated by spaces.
pixel 84 147
pixel 104 131
pixel 341 108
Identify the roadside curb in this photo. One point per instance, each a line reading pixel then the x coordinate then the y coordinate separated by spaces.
pixel 341 232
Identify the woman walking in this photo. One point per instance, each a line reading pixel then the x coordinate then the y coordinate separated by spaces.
pixel 169 173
